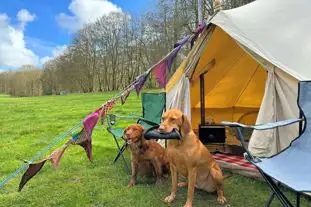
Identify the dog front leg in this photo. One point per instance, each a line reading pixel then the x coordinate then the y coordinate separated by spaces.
pixel 158 169
pixel 219 182
pixel 172 196
pixel 134 173
pixel 192 177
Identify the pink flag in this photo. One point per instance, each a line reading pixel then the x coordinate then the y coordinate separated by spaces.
pixel 160 70
pixel 91 120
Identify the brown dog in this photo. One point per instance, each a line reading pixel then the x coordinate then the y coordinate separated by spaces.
pixel 147 155
pixel 191 158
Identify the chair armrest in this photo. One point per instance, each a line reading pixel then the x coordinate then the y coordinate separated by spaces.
pixel 147 121
pixel 111 118
pixel 263 126
pixel 134 113
pixel 124 117
pixel 257 127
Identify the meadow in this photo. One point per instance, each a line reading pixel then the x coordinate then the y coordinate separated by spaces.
pixel 29 124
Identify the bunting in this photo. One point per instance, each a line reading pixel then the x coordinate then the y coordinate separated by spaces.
pixel 57 155
pixel 91 120
pixel 126 94
pixel 32 170
pixel 182 41
pixel 140 81
pixel 196 32
pixel 160 70
pixel 84 137
pixel 106 108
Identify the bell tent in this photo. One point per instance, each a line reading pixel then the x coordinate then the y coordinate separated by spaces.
pixel 245 67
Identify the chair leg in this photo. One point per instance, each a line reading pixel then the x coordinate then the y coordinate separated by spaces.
pixel 285 202
pixel 120 153
pixel 269 201
pixel 298 199
pixel 272 195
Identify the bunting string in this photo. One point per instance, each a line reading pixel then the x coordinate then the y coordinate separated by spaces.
pixel 39 154
pixel 159 70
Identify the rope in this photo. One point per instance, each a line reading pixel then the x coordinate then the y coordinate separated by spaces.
pixel 60 138
pixel 38 155
pixel 117 96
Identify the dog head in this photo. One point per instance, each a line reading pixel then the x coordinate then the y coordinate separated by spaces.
pixel 133 134
pixel 175 119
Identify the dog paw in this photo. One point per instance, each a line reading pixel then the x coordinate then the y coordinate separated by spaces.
pixel 131 184
pixel 221 200
pixel 188 205
pixel 159 181
pixel 169 199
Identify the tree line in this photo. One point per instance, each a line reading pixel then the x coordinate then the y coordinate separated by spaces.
pixel 108 54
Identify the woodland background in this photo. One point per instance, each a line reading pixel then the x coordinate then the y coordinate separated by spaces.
pixel 107 55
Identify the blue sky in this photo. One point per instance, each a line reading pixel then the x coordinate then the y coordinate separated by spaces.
pixel 36 30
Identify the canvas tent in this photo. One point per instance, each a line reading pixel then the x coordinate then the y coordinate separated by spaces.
pixel 252 58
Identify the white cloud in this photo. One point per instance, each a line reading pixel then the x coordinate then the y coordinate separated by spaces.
pixel 24 17
pixel 85 11
pixel 58 50
pixel 13 50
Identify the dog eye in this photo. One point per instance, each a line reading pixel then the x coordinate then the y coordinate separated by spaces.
pixel 172 119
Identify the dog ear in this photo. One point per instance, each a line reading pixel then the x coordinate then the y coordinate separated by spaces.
pixel 124 131
pixel 141 128
pixel 186 125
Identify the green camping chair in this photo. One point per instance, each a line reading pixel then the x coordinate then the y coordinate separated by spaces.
pixel 153 105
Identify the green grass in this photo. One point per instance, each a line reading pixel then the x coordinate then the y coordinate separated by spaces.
pixel 29 124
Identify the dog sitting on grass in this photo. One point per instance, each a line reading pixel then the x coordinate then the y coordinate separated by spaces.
pixel 148 156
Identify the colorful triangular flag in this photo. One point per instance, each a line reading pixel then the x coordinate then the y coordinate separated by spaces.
pixel 82 138
pixel 57 155
pixel 182 41
pixel 196 32
pixel 125 95
pixel 32 170
pixel 140 81
pixel 91 120
pixel 160 70
pixel 105 109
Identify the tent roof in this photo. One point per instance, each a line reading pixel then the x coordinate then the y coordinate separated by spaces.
pixel 277 30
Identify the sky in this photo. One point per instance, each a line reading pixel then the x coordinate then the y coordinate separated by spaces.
pixel 34 31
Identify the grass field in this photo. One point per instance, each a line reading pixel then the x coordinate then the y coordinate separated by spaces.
pixel 29 124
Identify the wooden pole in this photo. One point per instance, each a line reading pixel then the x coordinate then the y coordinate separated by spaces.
pixel 200 10
pixel 217 5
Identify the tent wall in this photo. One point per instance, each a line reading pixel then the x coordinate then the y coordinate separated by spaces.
pixel 279 103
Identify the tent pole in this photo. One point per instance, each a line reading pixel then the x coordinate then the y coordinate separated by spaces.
pixel 202 99
pixel 200 16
